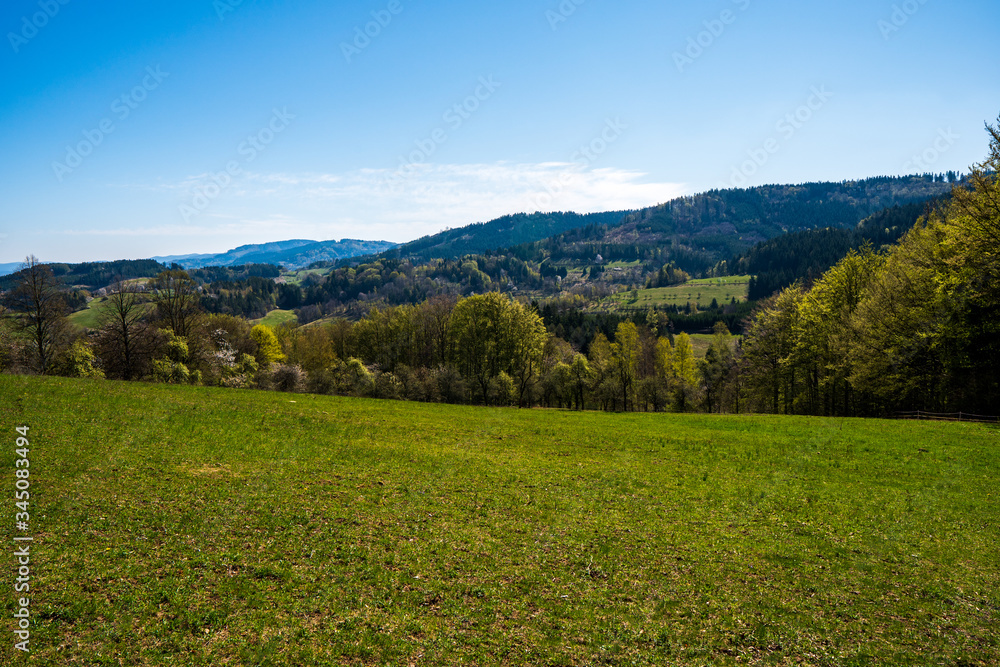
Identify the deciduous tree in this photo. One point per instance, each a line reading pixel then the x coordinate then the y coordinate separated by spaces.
pixel 40 312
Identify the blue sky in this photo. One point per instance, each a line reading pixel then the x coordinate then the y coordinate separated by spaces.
pixel 133 129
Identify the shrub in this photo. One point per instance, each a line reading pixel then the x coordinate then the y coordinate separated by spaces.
pixel 356 379
pixel 451 385
pixel 77 361
pixel 322 381
pixel 387 385
pixel 172 372
pixel 288 377
pixel 502 390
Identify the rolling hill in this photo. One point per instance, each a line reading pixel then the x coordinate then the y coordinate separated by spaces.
pixel 509 230
pixel 292 254
pixel 698 231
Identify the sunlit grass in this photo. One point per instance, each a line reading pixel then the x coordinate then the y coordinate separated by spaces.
pixel 699 292
pixel 187 525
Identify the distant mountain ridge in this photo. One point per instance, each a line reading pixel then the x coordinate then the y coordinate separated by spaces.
pixel 503 232
pixel 7 269
pixel 291 254
pixel 697 231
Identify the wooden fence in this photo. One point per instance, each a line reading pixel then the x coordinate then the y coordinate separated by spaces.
pixel 948 416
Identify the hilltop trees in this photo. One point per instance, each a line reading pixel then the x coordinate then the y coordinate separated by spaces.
pixel 911 327
pixel 39 310
pixel 125 340
pixel 175 295
pixel 494 334
pixel 877 320
pixel 625 352
pixel 717 367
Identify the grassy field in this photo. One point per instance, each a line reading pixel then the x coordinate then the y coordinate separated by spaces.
pixel 195 526
pixel 701 342
pixel 700 291
pixel 296 277
pixel 276 318
pixel 89 317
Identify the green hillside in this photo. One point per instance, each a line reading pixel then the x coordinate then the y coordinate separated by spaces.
pixel 698 292
pixel 198 526
pixel 506 231
pixel 696 232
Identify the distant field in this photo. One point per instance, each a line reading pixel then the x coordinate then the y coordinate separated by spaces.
pixel 89 318
pixel 700 291
pixel 276 318
pixel 296 277
pixel 701 343
pixel 195 526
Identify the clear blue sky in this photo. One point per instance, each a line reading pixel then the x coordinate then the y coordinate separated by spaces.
pixel 366 141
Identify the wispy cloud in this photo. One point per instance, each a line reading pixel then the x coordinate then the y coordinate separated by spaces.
pixel 378 204
pixel 459 194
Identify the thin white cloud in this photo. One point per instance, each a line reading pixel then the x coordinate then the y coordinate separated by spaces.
pixel 389 204
pixel 459 194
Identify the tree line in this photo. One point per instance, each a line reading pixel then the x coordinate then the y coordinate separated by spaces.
pixel 911 325
pixel 486 349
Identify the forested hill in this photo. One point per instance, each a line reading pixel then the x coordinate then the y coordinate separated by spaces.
pixel 698 231
pixel 292 254
pixel 805 255
pixel 509 230
pixel 93 275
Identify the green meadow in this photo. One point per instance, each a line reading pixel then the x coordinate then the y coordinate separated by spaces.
pixel 89 317
pixel 276 318
pixel 201 526
pixel 698 292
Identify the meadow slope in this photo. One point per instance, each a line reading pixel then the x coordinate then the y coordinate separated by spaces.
pixel 198 526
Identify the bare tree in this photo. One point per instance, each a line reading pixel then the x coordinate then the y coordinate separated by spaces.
pixel 126 340
pixel 176 297
pixel 40 311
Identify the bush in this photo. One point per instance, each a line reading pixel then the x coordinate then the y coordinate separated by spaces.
pixel 502 390
pixel 387 385
pixel 171 372
pixel 418 384
pixel 322 381
pixel 356 379
pixel 451 385
pixel 77 361
pixel 288 377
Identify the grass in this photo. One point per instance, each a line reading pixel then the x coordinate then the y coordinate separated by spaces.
pixel 196 526
pixel 276 318
pixel 700 343
pixel 700 291
pixel 89 317
pixel 296 277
